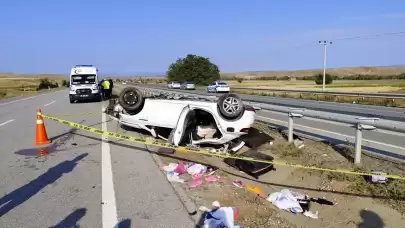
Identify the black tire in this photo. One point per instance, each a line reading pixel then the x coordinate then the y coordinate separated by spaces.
pixel 71 100
pixel 131 99
pixel 225 103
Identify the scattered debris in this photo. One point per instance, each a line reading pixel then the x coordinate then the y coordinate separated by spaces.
pixel 238 184
pixel 220 216
pixel 295 202
pixel 378 179
pixel 254 169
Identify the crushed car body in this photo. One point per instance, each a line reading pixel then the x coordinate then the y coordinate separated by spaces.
pixel 184 120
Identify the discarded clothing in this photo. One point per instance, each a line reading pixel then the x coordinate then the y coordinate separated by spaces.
pixel 195 168
pixel 285 200
pixel 378 179
pixel 211 179
pixel 223 217
pixel 174 177
pixel 170 167
pixel 180 168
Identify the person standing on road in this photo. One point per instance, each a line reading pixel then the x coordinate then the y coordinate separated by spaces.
pixel 106 88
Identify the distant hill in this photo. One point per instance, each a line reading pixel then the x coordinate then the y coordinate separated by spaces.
pixel 344 71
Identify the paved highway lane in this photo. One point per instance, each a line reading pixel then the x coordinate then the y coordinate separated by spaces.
pixel 84 180
pixel 388 113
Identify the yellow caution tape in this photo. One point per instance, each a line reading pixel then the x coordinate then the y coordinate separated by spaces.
pixel 207 152
pixel 78 114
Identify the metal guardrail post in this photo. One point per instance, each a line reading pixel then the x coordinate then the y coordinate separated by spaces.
pixel 294 113
pixel 366 125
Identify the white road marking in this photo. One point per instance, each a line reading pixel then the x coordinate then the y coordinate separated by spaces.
pixel 49 103
pixel 23 99
pixel 334 133
pixel 109 207
pixel 8 121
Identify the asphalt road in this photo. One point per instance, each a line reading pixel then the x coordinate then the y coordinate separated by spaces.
pixel 388 113
pixel 378 141
pixel 84 181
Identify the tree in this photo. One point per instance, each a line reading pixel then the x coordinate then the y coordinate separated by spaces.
pixel 193 68
pixel 64 82
pixel 319 79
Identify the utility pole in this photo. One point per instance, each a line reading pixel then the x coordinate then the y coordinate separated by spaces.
pixel 325 44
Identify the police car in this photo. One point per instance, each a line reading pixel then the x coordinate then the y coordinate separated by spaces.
pixel 218 87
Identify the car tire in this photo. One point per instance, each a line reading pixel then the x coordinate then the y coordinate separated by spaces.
pixel 230 106
pixel 71 100
pixel 131 99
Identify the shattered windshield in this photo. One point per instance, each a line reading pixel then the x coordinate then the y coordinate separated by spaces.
pixel 83 79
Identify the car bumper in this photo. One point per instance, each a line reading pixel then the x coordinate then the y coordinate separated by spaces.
pixel 190 87
pixel 219 89
pixel 92 96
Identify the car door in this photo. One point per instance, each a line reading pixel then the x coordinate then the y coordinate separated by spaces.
pixel 211 87
pixel 178 133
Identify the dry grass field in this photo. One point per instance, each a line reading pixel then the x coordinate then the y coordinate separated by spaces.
pixel 344 71
pixel 337 85
pixel 12 85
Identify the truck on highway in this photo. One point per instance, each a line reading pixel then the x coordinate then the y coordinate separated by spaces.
pixel 84 84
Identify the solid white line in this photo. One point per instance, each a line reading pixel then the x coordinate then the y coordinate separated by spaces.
pixel 330 132
pixel 49 103
pixel 109 207
pixel 8 121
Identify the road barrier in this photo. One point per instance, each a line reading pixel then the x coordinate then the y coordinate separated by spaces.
pixel 359 123
pixel 183 149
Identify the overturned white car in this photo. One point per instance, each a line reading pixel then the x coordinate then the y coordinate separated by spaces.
pixel 185 120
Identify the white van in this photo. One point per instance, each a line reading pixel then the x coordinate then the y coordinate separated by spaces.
pixel 84 84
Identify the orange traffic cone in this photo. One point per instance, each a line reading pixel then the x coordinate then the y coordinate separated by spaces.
pixel 41 136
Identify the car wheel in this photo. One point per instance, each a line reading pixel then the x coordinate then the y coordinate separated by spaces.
pixel 71 100
pixel 131 99
pixel 230 105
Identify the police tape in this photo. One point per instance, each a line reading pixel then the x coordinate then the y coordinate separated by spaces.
pixel 184 149
pixel 77 114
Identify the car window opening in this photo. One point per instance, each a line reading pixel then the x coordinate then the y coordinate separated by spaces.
pixel 204 126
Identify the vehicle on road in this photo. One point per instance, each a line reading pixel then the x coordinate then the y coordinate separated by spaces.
pixel 187 85
pixel 84 83
pixel 218 87
pixel 185 121
pixel 173 85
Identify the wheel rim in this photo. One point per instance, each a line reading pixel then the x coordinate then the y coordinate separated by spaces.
pixel 231 105
pixel 130 98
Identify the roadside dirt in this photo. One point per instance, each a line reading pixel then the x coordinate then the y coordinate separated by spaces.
pixel 359 204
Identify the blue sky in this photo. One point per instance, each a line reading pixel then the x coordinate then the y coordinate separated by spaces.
pixel 128 37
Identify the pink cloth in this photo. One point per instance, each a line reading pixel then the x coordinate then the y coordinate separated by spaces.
pixel 180 168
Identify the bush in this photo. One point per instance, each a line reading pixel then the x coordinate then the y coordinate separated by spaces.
pixel 193 68
pixel 64 82
pixel 240 80
pixel 319 79
pixel 45 84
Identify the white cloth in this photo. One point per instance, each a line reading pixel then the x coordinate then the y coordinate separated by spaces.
pixel 285 200
pixel 378 179
pixel 170 167
pixel 196 169
pixel 223 217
